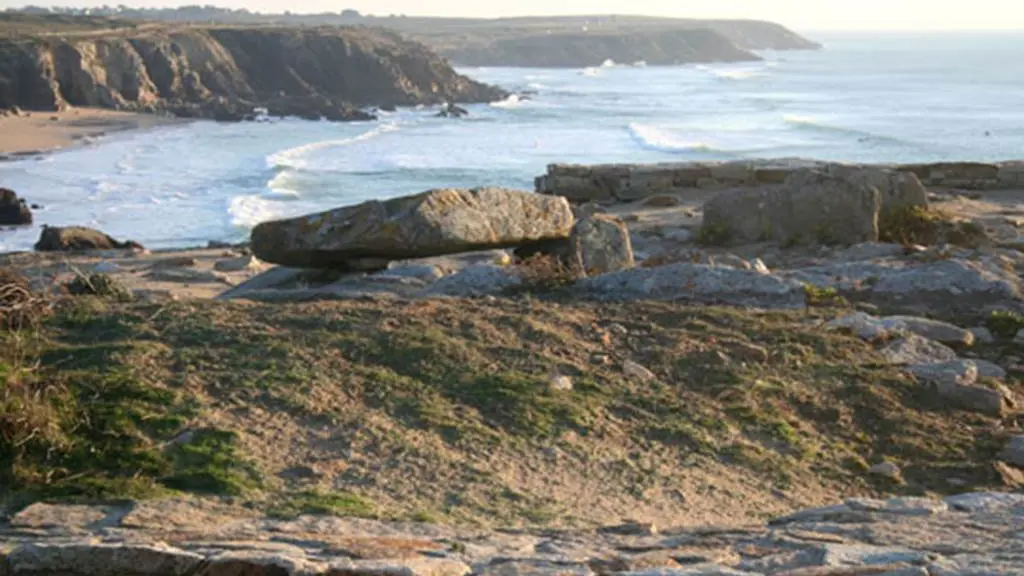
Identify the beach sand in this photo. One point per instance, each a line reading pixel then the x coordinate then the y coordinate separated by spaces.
pixel 36 132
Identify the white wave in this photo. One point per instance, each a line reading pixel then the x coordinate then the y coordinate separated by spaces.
pixel 513 101
pixel 292 157
pixel 590 72
pixel 248 211
pixel 609 63
pixel 654 138
pixel 800 120
pixel 640 64
pixel 537 86
pixel 737 74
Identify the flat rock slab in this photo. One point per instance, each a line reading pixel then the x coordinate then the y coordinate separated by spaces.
pixel 434 223
pixel 977 533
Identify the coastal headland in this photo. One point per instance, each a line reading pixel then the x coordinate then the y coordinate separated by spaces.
pixel 746 368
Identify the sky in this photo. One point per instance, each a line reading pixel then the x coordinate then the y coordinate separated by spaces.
pixel 797 14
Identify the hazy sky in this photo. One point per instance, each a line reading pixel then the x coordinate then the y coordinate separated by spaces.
pixel 800 14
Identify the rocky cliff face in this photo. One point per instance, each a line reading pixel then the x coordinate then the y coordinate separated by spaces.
pixel 224 72
pixel 573 50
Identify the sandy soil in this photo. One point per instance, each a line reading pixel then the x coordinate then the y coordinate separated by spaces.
pixel 32 132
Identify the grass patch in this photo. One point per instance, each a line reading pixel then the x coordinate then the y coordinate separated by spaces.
pixel 919 225
pixel 1005 324
pixel 322 503
pixel 437 409
pixel 713 234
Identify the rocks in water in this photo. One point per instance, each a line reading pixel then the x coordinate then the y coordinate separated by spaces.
pixel 600 244
pixel 76 238
pixel 450 110
pixel 433 223
pixel 13 210
pixel 811 206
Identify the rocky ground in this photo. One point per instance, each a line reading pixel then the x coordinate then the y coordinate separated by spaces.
pixel 511 378
pixel 969 534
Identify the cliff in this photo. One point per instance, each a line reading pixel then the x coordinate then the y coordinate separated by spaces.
pixel 223 72
pixel 573 50
pixel 565 40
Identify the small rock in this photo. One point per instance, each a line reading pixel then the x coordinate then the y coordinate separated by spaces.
pixel 914 350
pixel 106 268
pixel 988 369
pixel 1014 451
pixel 887 470
pixel 985 502
pixel 600 244
pixel 637 372
pixel 947 375
pixel 682 235
pixel 561 383
pixel 247 262
pixel 1019 338
pixel 186 276
pixel 175 262
pixel 13 210
pixel 982 335
pixel 758 265
pixel 74 238
pixel 662 201
pixel 631 528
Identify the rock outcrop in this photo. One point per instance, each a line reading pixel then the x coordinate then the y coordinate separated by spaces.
pixel 13 210
pixel 433 223
pixel 75 238
pixel 965 534
pixel 811 206
pixel 224 72
pixel 619 183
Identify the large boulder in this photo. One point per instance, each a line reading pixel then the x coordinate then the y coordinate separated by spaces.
pixel 811 206
pixel 434 223
pixel 600 244
pixel 13 210
pixel 898 189
pixel 74 238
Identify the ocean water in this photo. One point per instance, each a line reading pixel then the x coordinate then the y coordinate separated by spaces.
pixel 877 98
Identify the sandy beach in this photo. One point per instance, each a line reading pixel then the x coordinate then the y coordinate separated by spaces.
pixel 32 132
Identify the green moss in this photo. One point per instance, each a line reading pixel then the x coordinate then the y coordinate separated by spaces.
pixel 344 504
pixel 823 297
pixel 714 234
pixel 98 284
pixel 1005 324
pixel 919 225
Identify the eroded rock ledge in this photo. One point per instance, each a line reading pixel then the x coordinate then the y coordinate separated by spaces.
pixel 630 182
pixel 976 533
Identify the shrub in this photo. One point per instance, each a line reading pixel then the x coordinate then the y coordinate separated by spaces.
pixel 98 284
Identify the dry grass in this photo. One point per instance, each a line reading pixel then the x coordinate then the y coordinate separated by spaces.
pixel 443 410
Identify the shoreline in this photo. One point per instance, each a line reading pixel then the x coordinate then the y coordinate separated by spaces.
pixel 35 133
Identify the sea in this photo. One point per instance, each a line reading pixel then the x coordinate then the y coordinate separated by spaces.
pixel 882 97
